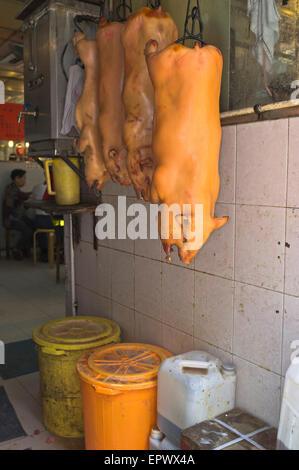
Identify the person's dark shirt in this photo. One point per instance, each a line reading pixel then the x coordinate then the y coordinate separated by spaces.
pixel 13 203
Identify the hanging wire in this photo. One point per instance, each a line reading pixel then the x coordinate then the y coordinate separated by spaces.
pixel 193 19
pixel 91 19
pixel 62 61
pixel 78 19
pixel 154 4
pixel 124 9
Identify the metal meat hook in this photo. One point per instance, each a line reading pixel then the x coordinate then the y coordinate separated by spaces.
pixel 193 19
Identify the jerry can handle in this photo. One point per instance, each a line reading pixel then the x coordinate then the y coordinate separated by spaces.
pixel 189 367
pixel 48 177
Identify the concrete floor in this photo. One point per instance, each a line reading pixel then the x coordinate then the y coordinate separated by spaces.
pixel 29 296
pixel 24 395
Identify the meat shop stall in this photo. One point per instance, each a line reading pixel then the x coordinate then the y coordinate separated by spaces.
pixel 168 134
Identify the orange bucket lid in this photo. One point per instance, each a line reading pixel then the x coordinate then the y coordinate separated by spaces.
pixel 124 366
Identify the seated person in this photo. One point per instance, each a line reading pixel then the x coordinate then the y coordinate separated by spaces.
pixel 14 213
pixel 42 219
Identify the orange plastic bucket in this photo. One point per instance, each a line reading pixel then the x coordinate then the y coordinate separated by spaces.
pixel 119 393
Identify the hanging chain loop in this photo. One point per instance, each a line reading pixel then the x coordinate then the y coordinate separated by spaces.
pixel 124 9
pixel 154 4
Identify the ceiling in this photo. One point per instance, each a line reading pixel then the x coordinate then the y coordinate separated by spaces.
pixel 11 36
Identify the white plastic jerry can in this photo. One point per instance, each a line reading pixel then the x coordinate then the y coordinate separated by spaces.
pixel 193 387
pixel 288 430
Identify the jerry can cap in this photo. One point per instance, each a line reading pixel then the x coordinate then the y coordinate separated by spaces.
pixel 229 367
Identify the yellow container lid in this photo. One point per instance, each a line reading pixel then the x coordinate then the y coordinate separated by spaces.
pixel 75 333
pixel 123 366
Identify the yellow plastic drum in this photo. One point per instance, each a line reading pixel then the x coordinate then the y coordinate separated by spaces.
pixel 119 393
pixel 60 344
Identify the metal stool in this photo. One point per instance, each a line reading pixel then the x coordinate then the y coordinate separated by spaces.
pixel 51 243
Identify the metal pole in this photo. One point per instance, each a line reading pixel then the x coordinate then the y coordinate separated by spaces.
pixel 72 267
pixel 262 109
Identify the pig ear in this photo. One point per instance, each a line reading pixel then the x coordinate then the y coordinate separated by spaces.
pixel 219 222
pixel 151 47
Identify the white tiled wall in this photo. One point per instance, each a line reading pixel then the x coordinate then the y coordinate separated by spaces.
pixel 240 298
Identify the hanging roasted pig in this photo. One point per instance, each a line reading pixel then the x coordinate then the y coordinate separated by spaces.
pixel 87 114
pixel 138 93
pixel 186 144
pixel 112 113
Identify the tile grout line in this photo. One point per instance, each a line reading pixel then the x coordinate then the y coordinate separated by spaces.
pixel 219 201
pixel 213 345
pixel 269 371
pixel 134 291
pixel 183 332
pixel 235 239
pixel 203 272
pixel 161 285
pixel 285 260
pixel 7 445
pixel 236 281
pixel 193 308
pixel 38 400
pixel 164 323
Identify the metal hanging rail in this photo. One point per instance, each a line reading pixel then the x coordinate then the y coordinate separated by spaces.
pixel 193 19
